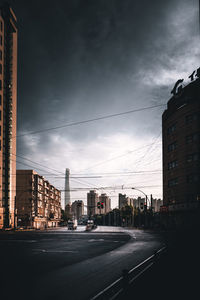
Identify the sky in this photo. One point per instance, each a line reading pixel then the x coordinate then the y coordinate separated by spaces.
pixel 80 60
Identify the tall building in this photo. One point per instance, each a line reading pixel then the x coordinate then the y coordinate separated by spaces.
pixel 8 110
pixel 67 188
pixel 92 200
pixel 156 204
pixel 124 200
pixel 181 147
pixel 38 202
pixel 103 198
pixel 78 209
pixel 139 203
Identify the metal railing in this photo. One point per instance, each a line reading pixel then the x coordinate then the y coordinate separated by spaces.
pixel 112 291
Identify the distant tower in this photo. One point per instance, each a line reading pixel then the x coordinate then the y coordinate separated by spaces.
pixel 67 191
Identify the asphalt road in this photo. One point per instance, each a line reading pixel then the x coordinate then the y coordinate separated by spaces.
pixel 61 264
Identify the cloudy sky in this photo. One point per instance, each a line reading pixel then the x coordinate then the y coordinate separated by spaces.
pixel 80 60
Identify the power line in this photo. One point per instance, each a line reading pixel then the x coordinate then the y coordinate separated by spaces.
pixel 90 120
pixel 116 157
pixel 38 163
pixel 148 150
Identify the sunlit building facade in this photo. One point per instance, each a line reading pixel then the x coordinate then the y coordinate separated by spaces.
pixel 38 202
pixel 8 111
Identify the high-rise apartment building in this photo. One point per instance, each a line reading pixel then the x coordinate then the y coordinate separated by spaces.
pixel 156 205
pixel 139 203
pixel 8 110
pixel 106 201
pixel 92 200
pixel 181 147
pixel 38 202
pixel 124 200
pixel 78 209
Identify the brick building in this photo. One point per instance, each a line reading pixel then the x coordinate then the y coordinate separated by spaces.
pixel 181 147
pixel 8 107
pixel 38 203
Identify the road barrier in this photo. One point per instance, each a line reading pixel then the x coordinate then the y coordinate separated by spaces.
pixel 112 291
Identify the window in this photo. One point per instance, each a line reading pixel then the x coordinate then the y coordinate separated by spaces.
pixel 0 84
pixel 172 164
pixel 1 26
pixel 172 182
pixel 192 138
pixel 192 178
pixel 0 68
pixel 0 115
pixel 191 198
pixel 0 99
pixel 1 40
pixel 191 118
pixel 171 129
pixel 192 157
pixel 0 55
pixel 172 147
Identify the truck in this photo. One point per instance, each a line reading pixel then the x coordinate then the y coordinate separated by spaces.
pixel 72 224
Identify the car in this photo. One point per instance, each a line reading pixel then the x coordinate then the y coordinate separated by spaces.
pixel 90 225
pixel 72 225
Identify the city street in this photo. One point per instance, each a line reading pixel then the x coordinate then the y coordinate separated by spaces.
pixel 62 264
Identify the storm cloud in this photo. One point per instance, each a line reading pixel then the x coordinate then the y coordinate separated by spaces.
pixel 79 60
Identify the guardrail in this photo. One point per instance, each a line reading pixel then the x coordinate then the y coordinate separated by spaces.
pixel 112 291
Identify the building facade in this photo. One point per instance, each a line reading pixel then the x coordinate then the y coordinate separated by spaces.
pixel 78 209
pixel 139 203
pixel 124 200
pixel 8 110
pixel 181 147
pixel 106 201
pixel 92 200
pixel 38 203
pixel 156 204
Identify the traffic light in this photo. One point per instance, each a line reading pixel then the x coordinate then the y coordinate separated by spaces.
pixel 102 204
pixel 98 205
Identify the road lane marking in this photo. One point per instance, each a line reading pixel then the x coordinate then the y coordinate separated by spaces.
pixel 96 240
pixel 54 251
pixel 25 241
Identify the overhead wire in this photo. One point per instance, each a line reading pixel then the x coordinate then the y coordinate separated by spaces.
pixel 90 120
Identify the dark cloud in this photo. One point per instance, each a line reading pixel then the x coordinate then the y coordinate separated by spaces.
pixel 79 59
pixel 70 51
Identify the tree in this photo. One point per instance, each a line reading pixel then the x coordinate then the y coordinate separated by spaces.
pixel 126 215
